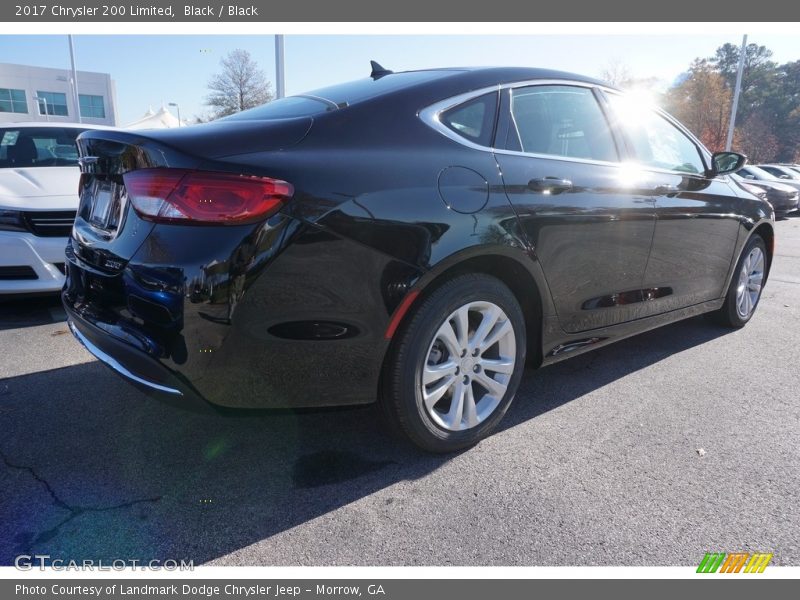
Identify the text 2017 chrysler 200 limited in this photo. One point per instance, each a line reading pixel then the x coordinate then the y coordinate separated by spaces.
pixel 410 238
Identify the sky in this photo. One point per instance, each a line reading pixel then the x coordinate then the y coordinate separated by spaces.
pixel 151 70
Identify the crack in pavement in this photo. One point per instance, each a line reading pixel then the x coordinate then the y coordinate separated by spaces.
pixel 73 510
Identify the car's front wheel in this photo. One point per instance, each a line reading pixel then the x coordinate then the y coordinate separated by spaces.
pixel 456 364
pixel 746 285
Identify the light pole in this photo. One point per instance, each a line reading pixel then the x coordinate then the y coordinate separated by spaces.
pixel 46 113
pixel 280 89
pixel 178 108
pixel 75 97
pixel 736 91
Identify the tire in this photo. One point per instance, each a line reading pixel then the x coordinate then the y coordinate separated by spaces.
pixel 426 346
pixel 741 300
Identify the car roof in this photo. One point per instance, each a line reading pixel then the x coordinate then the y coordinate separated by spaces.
pixel 429 85
pixel 488 76
pixel 413 88
pixel 512 74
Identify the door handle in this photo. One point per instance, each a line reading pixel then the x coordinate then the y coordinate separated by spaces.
pixel 553 185
pixel 666 189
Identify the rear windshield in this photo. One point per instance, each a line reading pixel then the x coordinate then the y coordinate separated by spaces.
pixel 336 96
pixel 38 147
pixel 285 108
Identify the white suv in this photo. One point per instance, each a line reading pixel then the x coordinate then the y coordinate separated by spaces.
pixel 39 177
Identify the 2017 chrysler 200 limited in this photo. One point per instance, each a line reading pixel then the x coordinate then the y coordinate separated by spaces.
pixel 410 238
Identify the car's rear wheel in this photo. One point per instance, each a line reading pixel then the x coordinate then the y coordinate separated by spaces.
pixel 456 364
pixel 746 285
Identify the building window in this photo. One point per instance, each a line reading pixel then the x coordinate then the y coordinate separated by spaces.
pixel 13 101
pixel 52 104
pixel 92 106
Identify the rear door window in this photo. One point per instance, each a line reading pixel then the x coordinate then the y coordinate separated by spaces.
pixel 560 120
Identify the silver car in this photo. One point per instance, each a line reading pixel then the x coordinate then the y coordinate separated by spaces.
pixel 782 172
pixel 756 174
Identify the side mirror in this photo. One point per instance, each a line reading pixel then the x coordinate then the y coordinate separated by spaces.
pixel 726 162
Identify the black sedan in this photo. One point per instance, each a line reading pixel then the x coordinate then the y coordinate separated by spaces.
pixel 783 198
pixel 412 238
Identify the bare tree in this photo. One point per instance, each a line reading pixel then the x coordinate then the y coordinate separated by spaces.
pixel 201 118
pixel 616 73
pixel 240 85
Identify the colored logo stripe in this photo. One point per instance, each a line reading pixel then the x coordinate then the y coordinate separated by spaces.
pixel 758 562
pixel 733 563
pixel 711 562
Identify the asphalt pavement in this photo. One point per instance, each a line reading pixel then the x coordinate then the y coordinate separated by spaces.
pixel 652 451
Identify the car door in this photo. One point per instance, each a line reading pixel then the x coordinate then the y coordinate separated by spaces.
pixel 696 216
pixel 589 224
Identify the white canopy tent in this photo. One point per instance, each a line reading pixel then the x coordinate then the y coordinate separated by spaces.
pixel 161 119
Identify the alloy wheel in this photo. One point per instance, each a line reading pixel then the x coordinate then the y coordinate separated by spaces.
pixel 468 366
pixel 751 278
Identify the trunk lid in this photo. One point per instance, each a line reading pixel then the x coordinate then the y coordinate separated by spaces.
pixel 107 230
pixel 106 233
pixel 230 137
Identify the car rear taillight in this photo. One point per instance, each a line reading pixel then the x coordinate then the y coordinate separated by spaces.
pixel 201 197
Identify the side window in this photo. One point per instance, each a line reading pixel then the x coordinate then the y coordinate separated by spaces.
pixel 656 141
pixel 474 119
pixel 772 171
pixel 561 120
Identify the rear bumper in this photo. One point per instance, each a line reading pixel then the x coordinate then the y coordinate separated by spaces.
pixel 297 325
pixel 144 372
pixel 43 255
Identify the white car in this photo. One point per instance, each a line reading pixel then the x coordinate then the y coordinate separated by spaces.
pixel 39 178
